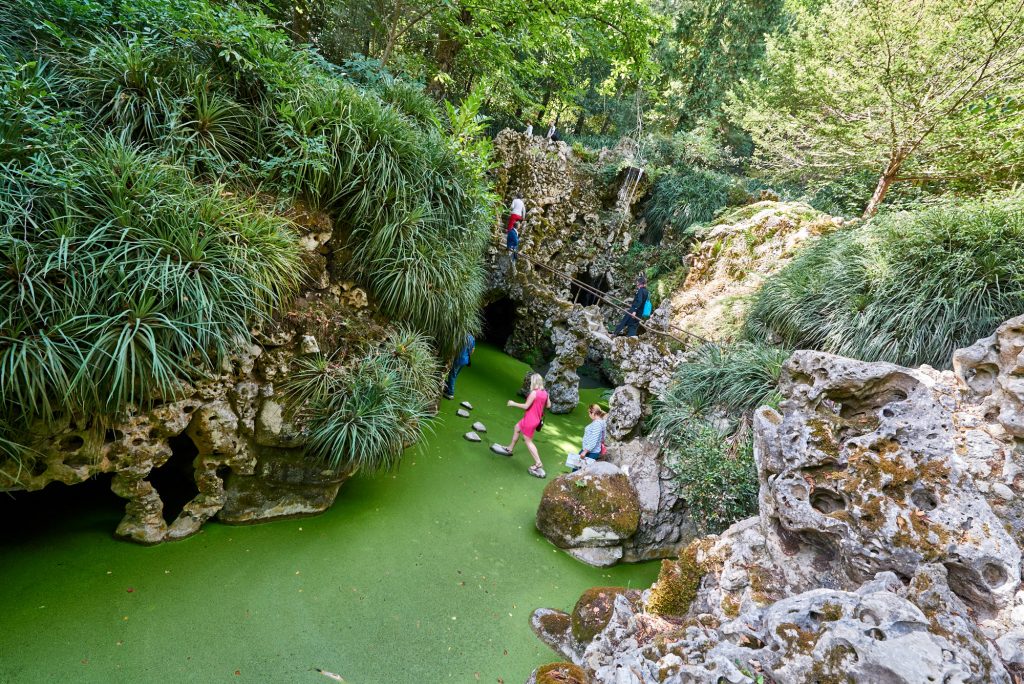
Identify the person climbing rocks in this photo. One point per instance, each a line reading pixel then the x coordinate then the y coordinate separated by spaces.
pixel 637 309
pixel 512 242
pixel 462 359
pixel 593 436
pixel 529 129
pixel 516 213
pixel 532 420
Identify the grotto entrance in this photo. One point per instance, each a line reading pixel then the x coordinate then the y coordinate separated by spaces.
pixel 91 505
pixel 499 322
pixel 175 480
pixel 584 295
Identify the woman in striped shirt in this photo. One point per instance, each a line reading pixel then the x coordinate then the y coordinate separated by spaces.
pixel 593 436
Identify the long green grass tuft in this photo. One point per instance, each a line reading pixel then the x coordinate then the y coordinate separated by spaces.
pixel 908 288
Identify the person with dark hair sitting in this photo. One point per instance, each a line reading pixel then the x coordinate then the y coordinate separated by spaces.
pixel 637 309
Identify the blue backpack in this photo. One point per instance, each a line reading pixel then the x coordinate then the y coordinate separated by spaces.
pixel 647 309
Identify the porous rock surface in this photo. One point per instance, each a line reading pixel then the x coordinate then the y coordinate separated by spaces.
pixel 887 547
pixel 732 258
pixel 246 451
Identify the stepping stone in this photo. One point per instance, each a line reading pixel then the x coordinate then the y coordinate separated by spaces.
pixel 466 405
pixel 462 412
pixel 479 427
pixel 500 450
pixel 472 437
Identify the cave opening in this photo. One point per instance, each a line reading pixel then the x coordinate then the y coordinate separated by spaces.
pixel 499 322
pixel 582 292
pixel 59 508
pixel 175 480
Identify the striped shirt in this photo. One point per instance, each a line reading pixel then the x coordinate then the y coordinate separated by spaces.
pixel 593 436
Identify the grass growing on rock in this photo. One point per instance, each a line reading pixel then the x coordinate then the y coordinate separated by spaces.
pixel 908 288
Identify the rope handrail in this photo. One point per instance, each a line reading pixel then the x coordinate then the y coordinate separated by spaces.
pixel 618 306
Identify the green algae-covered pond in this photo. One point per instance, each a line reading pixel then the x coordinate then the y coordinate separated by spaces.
pixel 425 575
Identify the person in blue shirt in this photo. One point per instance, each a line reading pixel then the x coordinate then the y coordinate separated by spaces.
pixel 461 360
pixel 512 242
pixel 632 318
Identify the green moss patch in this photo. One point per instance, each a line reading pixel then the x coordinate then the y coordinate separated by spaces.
pixel 593 611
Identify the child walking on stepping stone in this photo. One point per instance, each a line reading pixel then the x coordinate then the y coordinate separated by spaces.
pixel 531 421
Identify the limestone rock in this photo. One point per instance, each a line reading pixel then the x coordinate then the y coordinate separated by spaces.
pixel 624 412
pixel 479 427
pixel 462 413
pixel 466 405
pixel 886 546
pixel 590 513
pixel 471 437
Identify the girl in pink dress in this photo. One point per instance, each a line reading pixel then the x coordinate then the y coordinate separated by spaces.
pixel 535 404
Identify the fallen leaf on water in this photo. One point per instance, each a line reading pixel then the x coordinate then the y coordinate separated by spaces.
pixel 331 675
pixel 130 590
pixel 238 672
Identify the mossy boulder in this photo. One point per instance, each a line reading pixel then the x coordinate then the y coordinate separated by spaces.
pixel 559 673
pixel 592 509
pixel 593 610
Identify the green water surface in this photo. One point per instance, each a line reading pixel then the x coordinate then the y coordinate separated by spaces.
pixel 424 575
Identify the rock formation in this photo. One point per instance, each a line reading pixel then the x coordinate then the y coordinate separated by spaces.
pixel 590 513
pixel 732 258
pixel 245 448
pixel 887 547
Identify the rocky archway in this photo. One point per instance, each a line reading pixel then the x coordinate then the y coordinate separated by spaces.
pixel 175 480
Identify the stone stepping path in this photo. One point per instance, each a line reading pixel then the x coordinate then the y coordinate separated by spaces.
pixel 466 405
pixel 500 450
pixel 479 427
pixel 471 437
pixel 463 413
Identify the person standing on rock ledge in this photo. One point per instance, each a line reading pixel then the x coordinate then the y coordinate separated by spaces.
pixel 529 129
pixel 460 362
pixel 639 308
pixel 516 213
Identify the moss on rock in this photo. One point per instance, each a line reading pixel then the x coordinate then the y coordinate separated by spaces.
pixel 561 673
pixel 606 503
pixel 593 611
pixel 677 585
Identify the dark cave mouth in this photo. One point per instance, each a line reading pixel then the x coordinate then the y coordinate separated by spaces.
pixel 500 318
pixel 175 480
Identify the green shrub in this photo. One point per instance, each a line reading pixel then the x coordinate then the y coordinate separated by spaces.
pixel 908 288
pixel 736 378
pixel 363 415
pixel 716 473
pixel 682 198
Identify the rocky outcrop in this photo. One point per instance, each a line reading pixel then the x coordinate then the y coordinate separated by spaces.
pixel 234 429
pixel 625 507
pixel 590 513
pixel 732 258
pixel 887 547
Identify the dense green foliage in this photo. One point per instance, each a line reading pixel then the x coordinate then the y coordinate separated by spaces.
pixel 142 144
pixel 714 465
pixel 907 287
pixel 736 378
pixel 363 414
pixel 927 92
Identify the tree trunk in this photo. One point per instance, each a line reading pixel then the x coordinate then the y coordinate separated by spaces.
pixel 579 123
pixel 884 181
pixel 448 48
pixel 544 106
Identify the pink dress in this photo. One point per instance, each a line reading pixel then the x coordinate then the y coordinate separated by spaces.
pixel 531 419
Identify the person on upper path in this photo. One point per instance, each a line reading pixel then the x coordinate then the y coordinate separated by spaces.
pixel 632 318
pixel 532 420
pixel 460 361
pixel 516 213
pixel 529 129
pixel 512 242
pixel 593 435
pixel 553 133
